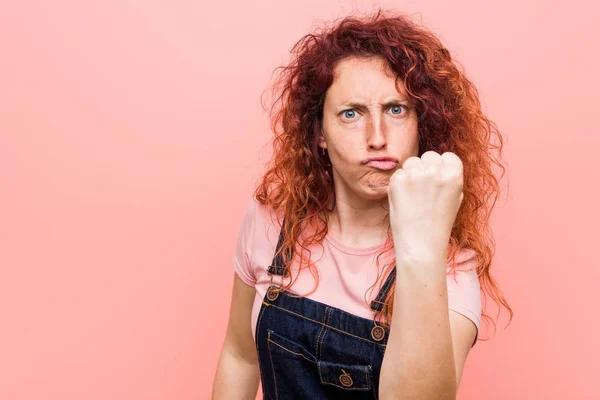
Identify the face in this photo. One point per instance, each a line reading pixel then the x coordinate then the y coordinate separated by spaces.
pixel 366 116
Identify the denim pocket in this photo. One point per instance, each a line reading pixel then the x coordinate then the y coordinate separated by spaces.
pixel 345 376
pixel 278 343
pixel 293 369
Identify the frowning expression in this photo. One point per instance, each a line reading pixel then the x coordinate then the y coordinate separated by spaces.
pixel 367 114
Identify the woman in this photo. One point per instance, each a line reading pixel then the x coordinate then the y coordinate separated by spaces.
pixel 375 206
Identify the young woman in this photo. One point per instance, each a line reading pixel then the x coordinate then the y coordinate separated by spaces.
pixel 362 256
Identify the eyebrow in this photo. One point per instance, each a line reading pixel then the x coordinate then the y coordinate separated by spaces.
pixel 361 106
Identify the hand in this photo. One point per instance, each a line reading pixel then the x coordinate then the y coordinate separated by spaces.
pixel 424 197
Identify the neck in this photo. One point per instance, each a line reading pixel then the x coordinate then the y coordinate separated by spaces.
pixel 359 222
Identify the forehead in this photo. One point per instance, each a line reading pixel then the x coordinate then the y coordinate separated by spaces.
pixel 364 77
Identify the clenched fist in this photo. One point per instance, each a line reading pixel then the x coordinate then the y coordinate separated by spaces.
pixel 424 197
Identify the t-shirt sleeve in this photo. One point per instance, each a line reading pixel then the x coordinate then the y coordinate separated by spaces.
pixel 464 295
pixel 242 260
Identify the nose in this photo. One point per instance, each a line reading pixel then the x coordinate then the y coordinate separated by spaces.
pixel 376 134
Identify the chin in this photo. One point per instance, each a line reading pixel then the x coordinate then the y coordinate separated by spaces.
pixel 375 193
pixel 376 188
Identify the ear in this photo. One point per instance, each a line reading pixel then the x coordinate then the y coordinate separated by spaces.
pixel 322 143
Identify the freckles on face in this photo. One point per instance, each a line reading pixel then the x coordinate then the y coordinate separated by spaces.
pixel 367 113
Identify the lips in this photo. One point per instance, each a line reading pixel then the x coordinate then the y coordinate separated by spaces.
pixel 383 164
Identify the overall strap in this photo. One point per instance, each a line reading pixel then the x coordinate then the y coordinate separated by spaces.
pixel 277 265
pixel 377 304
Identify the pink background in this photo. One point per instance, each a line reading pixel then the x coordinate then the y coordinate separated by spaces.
pixel 131 136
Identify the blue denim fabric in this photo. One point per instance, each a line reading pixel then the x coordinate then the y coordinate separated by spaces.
pixel 310 350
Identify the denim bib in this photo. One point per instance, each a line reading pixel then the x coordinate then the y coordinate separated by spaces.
pixel 310 350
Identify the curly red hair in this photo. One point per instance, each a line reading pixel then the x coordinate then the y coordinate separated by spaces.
pixel 298 180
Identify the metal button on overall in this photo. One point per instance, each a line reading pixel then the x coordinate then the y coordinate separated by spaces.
pixel 377 333
pixel 272 294
pixel 346 379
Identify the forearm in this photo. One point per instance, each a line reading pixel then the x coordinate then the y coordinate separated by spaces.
pixel 235 378
pixel 419 359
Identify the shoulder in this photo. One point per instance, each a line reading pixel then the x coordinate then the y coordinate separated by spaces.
pixel 262 225
pixel 464 295
pixel 262 215
pixel 461 272
pixel 256 213
pixel 465 260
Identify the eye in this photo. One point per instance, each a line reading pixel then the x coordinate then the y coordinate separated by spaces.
pixel 349 114
pixel 397 109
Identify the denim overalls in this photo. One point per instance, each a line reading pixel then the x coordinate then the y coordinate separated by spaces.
pixel 309 350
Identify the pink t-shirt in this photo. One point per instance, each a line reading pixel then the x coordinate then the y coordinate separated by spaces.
pixel 345 273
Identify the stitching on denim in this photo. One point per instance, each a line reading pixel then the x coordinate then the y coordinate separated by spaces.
pixel 386 286
pixel 256 337
pixel 258 323
pixel 272 366
pixel 329 326
pixel 379 301
pixel 327 318
pixel 289 351
pixel 374 388
pixel 320 332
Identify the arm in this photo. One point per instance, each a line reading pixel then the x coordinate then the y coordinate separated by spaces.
pixel 428 344
pixel 237 375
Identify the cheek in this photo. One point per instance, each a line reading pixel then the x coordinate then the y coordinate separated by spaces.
pixel 345 154
pixel 407 140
